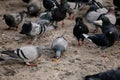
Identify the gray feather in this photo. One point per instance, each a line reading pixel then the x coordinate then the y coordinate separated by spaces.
pixel 25 53
pixel 59 45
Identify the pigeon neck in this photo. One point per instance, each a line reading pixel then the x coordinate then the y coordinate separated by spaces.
pixel 106 22
pixel 58 54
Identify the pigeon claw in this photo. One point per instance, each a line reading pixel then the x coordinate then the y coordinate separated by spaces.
pixel 105 55
pixel 63 23
pixel 31 64
pixel 80 43
pixel 30 42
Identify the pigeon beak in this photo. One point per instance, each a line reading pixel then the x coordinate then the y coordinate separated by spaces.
pixel 98 22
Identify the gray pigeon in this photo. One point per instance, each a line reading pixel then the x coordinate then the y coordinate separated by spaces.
pixel 34 7
pixel 94 13
pixel 110 15
pixel 13 19
pixel 26 53
pixel 44 18
pixel 59 45
pixel 34 29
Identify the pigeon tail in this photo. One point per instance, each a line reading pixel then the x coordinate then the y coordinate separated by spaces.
pixel 11 53
pixel 6 58
pixel 87 37
pixel 98 22
pixel 48 28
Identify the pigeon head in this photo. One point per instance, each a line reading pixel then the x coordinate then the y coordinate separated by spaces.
pixel 65 7
pixel 33 10
pixel 105 19
pixel 92 77
pixel 26 28
pixel 78 20
pixel 26 1
pixel 102 20
pixel 5 16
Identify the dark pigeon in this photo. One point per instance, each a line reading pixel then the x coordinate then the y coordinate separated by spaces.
pixel 113 74
pixel 33 8
pixel 50 4
pixel 101 40
pixel 59 14
pixel 13 19
pixel 79 29
pixel 108 27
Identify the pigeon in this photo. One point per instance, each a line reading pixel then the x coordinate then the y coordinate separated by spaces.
pixel 59 13
pixel 34 30
pixel 44 18
pixel 79 29
pixel 50 4
pixel 93 13
pixel 101 40
pixel 26 54
pixel 26 1
pixel 59 46
pixel 108 27
pixel 33 8
pixel 113 74
pixel 13 19
pixel 110 15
